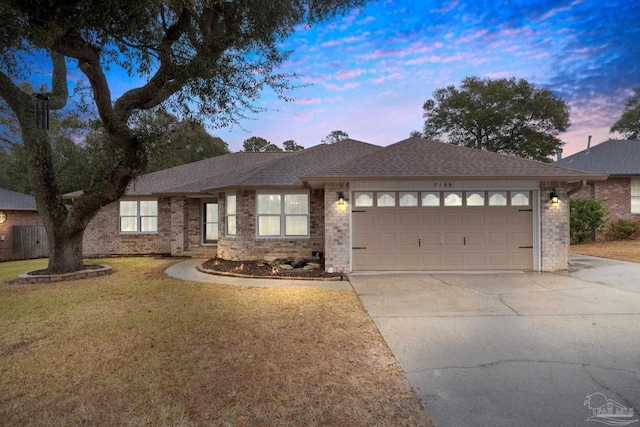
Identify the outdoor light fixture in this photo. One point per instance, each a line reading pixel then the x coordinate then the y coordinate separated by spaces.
pixel 554 198
pixel 340 198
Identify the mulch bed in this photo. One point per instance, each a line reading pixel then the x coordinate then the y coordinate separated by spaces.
pixel 266 269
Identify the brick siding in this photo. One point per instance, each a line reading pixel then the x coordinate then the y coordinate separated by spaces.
pixel 337 232
pixel 102 236
pixel 14 219
pixel 245 245
pixel 554 227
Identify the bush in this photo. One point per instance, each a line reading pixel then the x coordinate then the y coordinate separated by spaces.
pixel 623 229
pixel 586 217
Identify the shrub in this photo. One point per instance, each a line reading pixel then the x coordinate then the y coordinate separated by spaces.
pixel 586 217
pixel 623 229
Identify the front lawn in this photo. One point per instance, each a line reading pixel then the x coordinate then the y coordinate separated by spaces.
pixel 139 348
pixel 623 250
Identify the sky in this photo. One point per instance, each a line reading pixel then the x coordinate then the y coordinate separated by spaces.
pixel 368 73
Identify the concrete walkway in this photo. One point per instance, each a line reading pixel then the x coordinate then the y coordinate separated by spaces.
pixel 186 270
pixel 618 274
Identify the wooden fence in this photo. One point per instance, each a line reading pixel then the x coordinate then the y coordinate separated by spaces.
pixel 29 241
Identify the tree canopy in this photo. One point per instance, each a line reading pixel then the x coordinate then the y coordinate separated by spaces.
pixel 256 143
pixel 197 58
pixel 335 136
pixel 629 123
pixel 507 116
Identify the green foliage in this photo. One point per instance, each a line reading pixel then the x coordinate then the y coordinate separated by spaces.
pixel 629 123
pixel 415 134
pixel 586 217
pixel 335 136
pixel 255 143
pixel 171 142
pixel 506 116
pixel 623 229
pixel 291 145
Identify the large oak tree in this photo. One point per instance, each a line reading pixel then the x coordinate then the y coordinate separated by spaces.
pixel 196 57
pixel 629 122
pixel 507 116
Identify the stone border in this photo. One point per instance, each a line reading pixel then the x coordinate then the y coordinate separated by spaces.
pixel 247 276
pixel 102 270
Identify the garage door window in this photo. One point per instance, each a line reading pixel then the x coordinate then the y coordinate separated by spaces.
pixel 475 199
pixel 431 199
pixel 453 199
pixel 497 198
pixel 386 200
pixel 363 200
pixel 520 198
pixel 409 199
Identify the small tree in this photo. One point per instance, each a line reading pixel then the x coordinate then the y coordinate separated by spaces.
pixel 586 217
pixel 629 123
pixel 255 143
pixel 506 116
pixel 335 136
pixel 291 145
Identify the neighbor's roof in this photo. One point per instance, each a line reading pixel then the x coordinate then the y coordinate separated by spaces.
pixel 613 157
pixel 11 200
pixel 421 158
pixel 284 171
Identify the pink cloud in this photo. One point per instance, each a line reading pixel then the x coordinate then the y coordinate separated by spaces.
pixel 348 74
pixel 307 101
pixel 344 87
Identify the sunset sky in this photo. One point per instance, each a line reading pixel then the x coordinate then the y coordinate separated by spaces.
pixel 368 73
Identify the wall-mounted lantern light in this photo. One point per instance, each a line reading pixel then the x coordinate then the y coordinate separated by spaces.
pixel 554 198
pixel 340 198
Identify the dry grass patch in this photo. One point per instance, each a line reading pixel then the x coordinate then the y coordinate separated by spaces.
pixel 623 250
pixel 139 348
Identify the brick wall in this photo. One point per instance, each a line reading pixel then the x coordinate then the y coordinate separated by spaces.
pixel 245 245
pixel 554 227
pixel 14 218
pixel 102 236
pixel 337 232
pixel 616 193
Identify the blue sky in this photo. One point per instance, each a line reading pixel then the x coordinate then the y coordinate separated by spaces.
pixel 368 73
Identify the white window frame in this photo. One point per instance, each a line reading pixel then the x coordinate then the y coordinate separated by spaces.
pixel 634 196
pixel 205 221
pixel 138 216
pixel 283 215
pixel 228 215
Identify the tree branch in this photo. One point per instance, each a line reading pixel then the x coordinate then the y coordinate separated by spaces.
pixel 60 92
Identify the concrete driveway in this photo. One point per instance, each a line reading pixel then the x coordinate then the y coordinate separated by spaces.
pixel 510 349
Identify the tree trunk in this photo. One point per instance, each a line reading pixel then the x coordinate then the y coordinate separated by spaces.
pixel 65 251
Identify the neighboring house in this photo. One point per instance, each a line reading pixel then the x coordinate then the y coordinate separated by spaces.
pixel 16 210
pixel 620 159
pixel 414 205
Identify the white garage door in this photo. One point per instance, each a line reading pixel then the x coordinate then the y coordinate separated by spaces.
pixel 442 230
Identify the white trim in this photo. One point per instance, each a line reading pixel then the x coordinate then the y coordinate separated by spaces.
pixel 282 215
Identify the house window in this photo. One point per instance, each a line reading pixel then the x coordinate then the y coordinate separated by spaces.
pixel 453 199
pixel 497 198
pixel 230 210
pixel 408 199
pixel 520 198
pixel 138 216
pixel 210 225
pixel 386 200
pixel 635 195
pixel 283 215
pixel 363 200
pixel 475 199
pixel 431 199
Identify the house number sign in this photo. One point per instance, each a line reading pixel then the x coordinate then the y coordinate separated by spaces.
pixel 442 185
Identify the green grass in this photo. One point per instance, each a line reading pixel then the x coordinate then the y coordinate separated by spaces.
pixel 11 270
pixel 140 348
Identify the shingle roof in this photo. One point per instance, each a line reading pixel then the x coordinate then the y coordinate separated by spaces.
pixel 421 158
pixel 614 157
pixel 11 200
pixel 282 171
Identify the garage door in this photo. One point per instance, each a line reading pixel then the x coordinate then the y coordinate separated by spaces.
pixel 442 230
